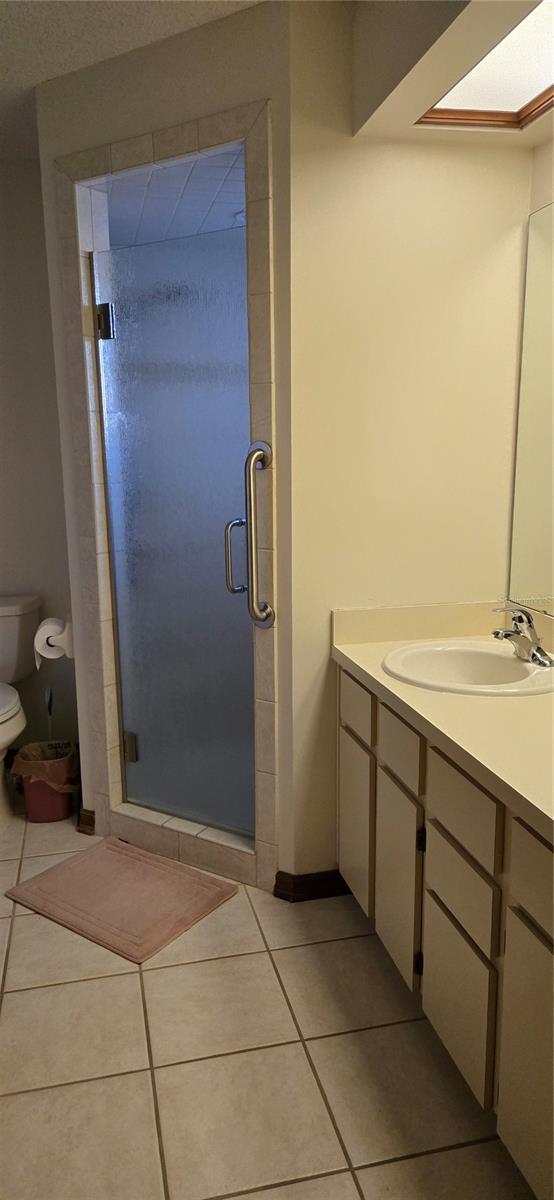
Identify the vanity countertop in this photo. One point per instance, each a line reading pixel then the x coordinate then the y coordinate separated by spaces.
pixel 506 743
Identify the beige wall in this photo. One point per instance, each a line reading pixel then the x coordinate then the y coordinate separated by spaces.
pixel 406 293
pixel 33 552
pixel 542 176
pixel 388 40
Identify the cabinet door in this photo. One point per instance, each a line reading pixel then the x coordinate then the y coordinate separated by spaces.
pixel 402 749
pixel 531 872
pixel 358 709
pixel 466 891
pixel 459 997
pixel 398 874
pixel 469 814
pixel 525 1064
pixel 357 820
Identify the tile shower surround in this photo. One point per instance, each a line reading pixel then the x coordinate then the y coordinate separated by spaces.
pixel 83 227
pixel 304 1069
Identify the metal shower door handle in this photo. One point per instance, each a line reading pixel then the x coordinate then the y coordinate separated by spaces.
pixel 258 457
pixel 236 524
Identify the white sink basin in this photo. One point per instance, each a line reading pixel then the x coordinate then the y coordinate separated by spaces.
pixel 476 665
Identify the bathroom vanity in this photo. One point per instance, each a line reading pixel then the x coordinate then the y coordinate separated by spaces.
pixel 445 838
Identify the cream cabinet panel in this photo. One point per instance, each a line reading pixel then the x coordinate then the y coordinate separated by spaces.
pixel 357 820
pixel 525 1073
pixel 357 709
pixel 471 896
pixel 469 814
pixel 459 998
pixel 398 874
pixel 531 873
pixel 401 748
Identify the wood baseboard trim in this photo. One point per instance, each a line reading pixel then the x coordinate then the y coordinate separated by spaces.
pixel 85 820
pixel 316 886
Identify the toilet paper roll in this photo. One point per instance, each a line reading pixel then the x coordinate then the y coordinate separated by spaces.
pixel 53 639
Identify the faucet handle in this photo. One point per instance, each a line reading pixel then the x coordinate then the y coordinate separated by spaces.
pixel 520 616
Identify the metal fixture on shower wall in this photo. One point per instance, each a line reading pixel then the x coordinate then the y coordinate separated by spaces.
pixel 105 321
pixel 258 458
pixel 235 589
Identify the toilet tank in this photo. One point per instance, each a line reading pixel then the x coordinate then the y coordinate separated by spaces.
pixel 19 618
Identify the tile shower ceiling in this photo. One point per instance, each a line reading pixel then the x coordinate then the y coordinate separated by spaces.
pixel 198 194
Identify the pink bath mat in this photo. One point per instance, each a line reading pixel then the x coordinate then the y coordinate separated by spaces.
pixel 126 899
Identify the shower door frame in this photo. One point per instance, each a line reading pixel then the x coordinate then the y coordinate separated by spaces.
pixel 83 228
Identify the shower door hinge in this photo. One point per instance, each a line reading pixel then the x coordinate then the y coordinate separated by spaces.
pixel 130 747
pixel 105 321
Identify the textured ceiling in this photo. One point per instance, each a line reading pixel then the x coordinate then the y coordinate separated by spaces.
pixel 41 39
pixel 198 194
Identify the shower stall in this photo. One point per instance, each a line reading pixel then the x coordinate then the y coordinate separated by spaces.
pixel 181 485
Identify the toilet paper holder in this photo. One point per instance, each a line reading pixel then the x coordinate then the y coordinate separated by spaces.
pixel 53 639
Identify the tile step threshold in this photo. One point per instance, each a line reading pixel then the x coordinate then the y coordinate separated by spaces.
pixel 232 841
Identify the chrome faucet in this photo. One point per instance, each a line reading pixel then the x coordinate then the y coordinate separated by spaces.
pixel 523 636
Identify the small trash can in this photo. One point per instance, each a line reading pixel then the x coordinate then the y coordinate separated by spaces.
pixel 49 771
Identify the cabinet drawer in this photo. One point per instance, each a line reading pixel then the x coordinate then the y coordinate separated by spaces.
pixel 398 874
pixel 531 875
pixel 459 998
pixel 468 813
pixel 357 709
pixel 525 1061
pixel 357 820
pixel 401 748
pixel 471 896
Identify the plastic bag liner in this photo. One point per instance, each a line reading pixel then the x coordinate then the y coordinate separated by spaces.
pixel 55 763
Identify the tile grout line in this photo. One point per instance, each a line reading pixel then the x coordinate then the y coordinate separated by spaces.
pixel 191 963
pixel 175 207
pixel 305 1045
pixel 179 1062
pixel 157 1116
pixel 312 1037
pixel 283 1183
pixel 240 154
pixel 309 1061
pixel 381 1162
pixel 49 1087
pixel 33 987
pixel 183 1062
pixel 321 1037
pixel 142 207
pixel 41 987
pixel 167 236
pixel 385 1162
pixel 44 854
pixel 347 937
pixel 12 919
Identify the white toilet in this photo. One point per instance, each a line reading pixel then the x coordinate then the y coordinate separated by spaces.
pixel 19 618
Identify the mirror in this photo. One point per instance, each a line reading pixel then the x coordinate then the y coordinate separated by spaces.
pixel 532 563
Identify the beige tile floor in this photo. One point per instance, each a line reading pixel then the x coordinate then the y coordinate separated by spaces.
pixel 272 1052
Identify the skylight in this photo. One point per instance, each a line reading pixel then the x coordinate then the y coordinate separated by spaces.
pixel 510 78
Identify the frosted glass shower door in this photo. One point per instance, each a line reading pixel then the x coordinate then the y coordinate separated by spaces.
pixel 176 428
